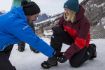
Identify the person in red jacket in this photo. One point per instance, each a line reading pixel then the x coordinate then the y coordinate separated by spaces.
pixel 73 29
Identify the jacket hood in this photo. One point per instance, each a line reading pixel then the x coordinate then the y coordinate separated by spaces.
pixel 18 11
pixel 80 14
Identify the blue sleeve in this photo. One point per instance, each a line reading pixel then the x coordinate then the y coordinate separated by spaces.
pixel 24 32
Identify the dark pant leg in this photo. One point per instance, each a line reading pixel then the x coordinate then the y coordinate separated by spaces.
pixel 4 59
pixel 59 36
pixel 7 50
pixel 21 46
pixel 79 58
pixel 34 50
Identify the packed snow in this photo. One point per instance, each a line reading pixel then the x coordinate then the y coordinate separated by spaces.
pixel 29 60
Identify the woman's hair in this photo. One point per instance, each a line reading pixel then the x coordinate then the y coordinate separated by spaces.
pixel 71 16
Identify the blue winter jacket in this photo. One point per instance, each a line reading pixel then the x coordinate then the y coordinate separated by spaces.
pixel 14 28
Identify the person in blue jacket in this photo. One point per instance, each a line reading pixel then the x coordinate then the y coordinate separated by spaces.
pixel 14 28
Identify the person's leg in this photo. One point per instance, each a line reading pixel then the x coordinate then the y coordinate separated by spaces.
pixel 4 59
pixel 59 36
pixel 8 50
pixel 83 55
pixel 21 46
pixel 34 50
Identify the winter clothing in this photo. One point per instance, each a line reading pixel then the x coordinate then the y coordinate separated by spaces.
pixel 92 49
pixel 21 45
pixel 14 28
pixel 34 50
pixel 59 36
pixel 83 55
pixel 62 59
pixel 76 35
pixel 30 8
pixel 4 59
pixel 79 31
pixel 50 62
pixel 72 5
pixel 78 56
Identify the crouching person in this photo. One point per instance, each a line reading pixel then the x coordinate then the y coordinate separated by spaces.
pixel 73 29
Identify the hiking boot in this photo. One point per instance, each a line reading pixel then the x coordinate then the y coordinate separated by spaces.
pixel 92 47
pixel 51 62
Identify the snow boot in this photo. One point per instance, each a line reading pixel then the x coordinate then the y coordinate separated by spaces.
pixel 51 62
pixel 92 48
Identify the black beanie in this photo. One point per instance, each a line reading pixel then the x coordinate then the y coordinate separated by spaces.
pixel 30 8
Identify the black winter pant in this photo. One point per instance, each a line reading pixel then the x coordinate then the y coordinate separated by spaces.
pixel 21 45
pixel 60 36
pixel 4 59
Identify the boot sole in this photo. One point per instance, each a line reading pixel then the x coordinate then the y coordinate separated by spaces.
pixel 47 66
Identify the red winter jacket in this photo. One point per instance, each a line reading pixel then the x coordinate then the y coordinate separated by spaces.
pixel 79 31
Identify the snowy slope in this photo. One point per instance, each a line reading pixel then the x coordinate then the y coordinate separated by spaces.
pixel 28 60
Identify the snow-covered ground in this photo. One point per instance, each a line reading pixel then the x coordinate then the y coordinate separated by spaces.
pixel 28 60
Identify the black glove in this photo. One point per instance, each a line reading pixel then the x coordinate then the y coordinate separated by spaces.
pixel 62 59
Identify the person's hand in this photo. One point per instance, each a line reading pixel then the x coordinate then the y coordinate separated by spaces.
pixel 62 59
